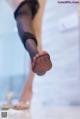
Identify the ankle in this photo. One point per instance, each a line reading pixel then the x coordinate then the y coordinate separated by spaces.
pixel 31 48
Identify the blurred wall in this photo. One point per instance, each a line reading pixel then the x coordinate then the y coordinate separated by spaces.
pixel 60 86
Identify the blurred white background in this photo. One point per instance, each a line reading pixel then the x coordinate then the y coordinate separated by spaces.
pixel 60 34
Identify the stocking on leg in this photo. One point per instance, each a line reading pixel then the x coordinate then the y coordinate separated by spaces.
pixel 24 15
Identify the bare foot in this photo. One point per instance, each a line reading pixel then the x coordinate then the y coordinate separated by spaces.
pixel 41 63
pixel 21 106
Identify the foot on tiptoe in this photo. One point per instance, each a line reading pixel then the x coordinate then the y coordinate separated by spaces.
pixel 22 106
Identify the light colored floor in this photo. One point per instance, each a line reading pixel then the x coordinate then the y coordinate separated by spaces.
pixel 43 112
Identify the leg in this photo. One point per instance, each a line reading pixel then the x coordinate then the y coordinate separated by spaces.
pixel 27 91
pixel 36 28
pixel 26 95
pixel 24 18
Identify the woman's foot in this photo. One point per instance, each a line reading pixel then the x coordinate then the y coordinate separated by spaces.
pixel 41 63
pixel 22 106
pixel 18 106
